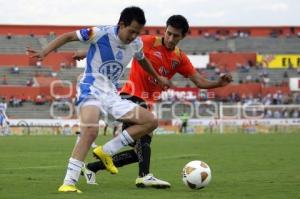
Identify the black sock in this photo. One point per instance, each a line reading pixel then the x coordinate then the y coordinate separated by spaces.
pixel 120 159
pixel 95 166
pixel 144 154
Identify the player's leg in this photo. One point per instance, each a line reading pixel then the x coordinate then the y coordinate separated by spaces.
pixel 142 122
pixel 89 118
pixel 146 179
pixel 117 128
pixel 185 127
pixel 94 145
pixel 181 128
pixel 119 159
pixel 142 155
pixel 143 149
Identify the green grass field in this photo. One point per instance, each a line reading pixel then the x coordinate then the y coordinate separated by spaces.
pixel 243 166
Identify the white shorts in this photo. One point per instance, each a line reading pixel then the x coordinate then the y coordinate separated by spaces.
pixel 110 104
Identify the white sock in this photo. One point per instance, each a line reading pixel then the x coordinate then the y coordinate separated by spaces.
pixel 118 142
pixel 73 171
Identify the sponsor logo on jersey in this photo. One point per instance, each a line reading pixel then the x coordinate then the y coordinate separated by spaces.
pixel 157 54
pixel 112 70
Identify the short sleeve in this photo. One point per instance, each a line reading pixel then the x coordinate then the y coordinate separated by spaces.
pixel 186 68
pixel 88 34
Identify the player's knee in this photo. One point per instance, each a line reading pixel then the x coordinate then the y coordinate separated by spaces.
pixel 91 132
pixel 153 123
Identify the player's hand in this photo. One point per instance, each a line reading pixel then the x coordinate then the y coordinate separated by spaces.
pixel 164 82
pixel 224 79
pixel 34 54
pixel 79 55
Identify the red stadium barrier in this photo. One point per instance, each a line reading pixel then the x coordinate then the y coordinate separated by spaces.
pixel 229 31
pixel 229 60
pixel 53 60
pixel 253 89
pixel 247 89
pixel 14 59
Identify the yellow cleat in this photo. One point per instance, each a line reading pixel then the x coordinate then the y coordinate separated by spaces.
pixel 106 159
pixel 68 188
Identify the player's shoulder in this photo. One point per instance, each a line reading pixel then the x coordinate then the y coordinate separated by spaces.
pixel 179 53
pixel 102 30
pixel 151 40
pixel 93 32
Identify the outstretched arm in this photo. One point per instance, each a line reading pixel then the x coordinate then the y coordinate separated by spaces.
pixel 56 43
pixel 201 82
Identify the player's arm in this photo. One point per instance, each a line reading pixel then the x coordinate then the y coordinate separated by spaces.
pixel 161 80
pixel 56 43
pixel 188 70
pixel 204 83
pixel 79 55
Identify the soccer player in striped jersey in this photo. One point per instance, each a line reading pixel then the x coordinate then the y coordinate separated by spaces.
pixel 110 50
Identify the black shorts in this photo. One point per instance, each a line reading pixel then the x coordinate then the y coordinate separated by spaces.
pixel 134 99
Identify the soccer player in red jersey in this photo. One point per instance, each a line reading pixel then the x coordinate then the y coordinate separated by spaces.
pixel 167 59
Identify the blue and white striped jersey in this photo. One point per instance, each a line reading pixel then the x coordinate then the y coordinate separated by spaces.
pixel 106 59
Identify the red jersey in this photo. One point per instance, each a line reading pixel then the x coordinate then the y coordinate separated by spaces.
pixel 165 62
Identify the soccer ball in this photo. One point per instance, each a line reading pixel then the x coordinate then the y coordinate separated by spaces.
pixel 196 174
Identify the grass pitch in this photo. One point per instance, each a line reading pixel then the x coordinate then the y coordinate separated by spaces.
pixel 243 166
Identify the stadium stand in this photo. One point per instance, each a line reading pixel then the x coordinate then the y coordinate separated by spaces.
pixel 17 44
pixel 25 83
pixel 264 45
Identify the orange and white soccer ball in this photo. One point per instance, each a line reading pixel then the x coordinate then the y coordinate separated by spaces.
pixel 196 174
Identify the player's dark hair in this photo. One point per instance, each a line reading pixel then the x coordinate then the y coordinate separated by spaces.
pixel 179 22
pixel 132 13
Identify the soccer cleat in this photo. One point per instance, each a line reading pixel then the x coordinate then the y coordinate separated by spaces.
pixel 151 181
pixel 106 159
pixel 68 188
pixel 89 175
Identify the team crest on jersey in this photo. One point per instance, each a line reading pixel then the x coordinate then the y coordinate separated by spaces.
pixel 112 70
pixel 119 55
pixel 174 64
pixel 163 71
